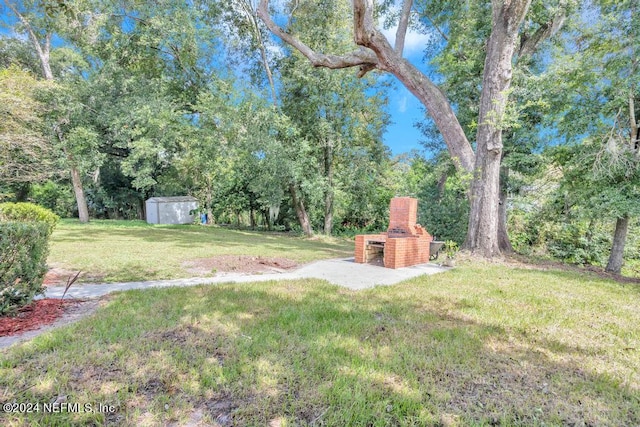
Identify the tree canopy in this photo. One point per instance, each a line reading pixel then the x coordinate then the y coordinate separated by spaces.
pixel 274 115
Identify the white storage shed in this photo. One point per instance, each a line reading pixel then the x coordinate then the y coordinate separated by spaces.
pixel 171 210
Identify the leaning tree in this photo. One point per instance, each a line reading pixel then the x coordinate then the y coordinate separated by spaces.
pixel 506 39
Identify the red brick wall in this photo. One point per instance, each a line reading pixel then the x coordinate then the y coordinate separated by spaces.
pixel 360 248
pixel 403 214
pixel 402 252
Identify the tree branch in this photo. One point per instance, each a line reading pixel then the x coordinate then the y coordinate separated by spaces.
pixel 361 57
pixel 252 16
pixel 376 52
pixel 364 28
pixel 633 122
pixel 401 33
pixel 530 44
pixel 43 54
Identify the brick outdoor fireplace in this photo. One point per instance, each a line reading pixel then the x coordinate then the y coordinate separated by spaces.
pixel 404 244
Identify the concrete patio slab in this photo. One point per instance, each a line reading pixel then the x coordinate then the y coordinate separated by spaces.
pixel 345 272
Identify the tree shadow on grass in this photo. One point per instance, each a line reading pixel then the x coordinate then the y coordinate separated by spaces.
pixel 591 271
pixel 310 353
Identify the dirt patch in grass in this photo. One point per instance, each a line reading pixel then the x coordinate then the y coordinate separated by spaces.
pixel 57 276
pixel 238 264
pixel 221 409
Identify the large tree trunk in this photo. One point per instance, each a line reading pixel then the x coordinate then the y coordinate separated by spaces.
pixel 482 235
pixel 616 258
pixel 328 212
pixel 78 189
pixel 252 216
pixel 504 244
pixel 328 195
pixel 375 52
pixel 76 180
pixel 209 199
pixel 301 212
pixel 267 220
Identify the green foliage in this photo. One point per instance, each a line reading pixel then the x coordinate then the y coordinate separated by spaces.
pixel 579 243
pixel 549 223
pixel 443 206
pixel 113 194
pixel 451 249
pixel 524 230
pixel 55 196
pixel 24 249
pixel 340 121
pixel 25 154
pixel 19 53
pixel 28 212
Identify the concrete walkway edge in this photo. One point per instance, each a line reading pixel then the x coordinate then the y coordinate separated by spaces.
pixel 343 272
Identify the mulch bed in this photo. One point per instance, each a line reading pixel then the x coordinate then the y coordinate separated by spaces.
pixel 39 313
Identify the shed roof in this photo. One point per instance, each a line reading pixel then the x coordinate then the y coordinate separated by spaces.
pixel 172 199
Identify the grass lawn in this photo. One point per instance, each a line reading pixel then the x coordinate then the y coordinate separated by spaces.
pixel 479 345
pixel 115 251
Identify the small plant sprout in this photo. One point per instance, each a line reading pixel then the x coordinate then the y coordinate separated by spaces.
pixel 450 249
pixel 70 281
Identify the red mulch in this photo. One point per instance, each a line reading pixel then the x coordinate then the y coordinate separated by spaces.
pixel 39 313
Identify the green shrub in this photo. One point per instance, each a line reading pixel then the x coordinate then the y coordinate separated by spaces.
pixel 55 196
pixel 28 212
pixel 579 243
pixel 23 256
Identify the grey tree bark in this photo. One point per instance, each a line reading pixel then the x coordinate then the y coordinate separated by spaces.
pixel 503 237
pixel 328 195
pixel 83 211
pixel 482 235
pixel 616 258
pixel 301 212
pixel 209 198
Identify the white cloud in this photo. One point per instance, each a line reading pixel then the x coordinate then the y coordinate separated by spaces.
pixel 414 42
pixel 402 104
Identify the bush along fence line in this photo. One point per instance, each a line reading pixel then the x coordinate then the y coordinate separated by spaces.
pixel 24 245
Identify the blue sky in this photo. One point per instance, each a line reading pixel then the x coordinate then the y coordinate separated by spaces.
pixel 405 109
pixel 402 136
